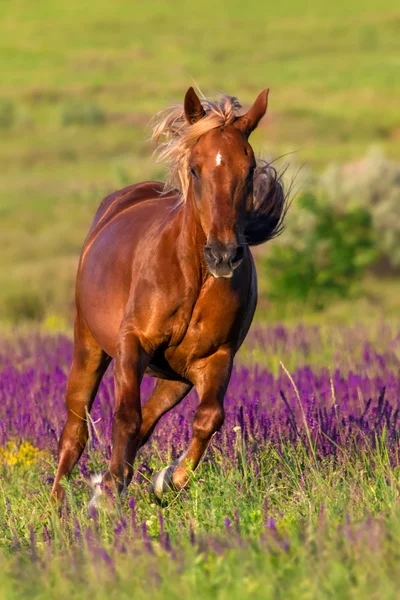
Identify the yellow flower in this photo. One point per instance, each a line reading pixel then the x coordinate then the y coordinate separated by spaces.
pixel 24 455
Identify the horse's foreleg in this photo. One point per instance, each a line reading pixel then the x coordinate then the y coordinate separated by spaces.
pixel 130 364
pixel 88 366
pixel 165 396
pixel 211 376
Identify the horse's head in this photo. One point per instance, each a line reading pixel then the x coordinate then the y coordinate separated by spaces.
pixel 222 165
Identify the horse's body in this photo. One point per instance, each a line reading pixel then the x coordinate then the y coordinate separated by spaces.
pixel 153 268
pixel 168 287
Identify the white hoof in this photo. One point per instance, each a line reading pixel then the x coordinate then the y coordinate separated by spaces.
pixel 95 483
pixel 161 482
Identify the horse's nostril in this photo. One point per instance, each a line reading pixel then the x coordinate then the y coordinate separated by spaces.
pixel 212 255
pixel 238 255
pixel 208 252
pixel 217 255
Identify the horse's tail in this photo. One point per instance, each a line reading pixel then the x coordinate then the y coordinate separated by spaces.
pixel 270 206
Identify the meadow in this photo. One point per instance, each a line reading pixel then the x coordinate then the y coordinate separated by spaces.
pixel 297 496
pixel 80 82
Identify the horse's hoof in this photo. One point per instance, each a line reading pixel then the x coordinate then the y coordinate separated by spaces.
pixel 57 497
pixel 161 484
pixel 96 483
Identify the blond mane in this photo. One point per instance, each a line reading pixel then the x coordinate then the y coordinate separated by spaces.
pixel 174 136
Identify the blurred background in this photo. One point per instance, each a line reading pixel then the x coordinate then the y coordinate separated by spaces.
pixel 81 80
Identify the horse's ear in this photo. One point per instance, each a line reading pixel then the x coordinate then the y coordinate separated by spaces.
pixel 248 122
pixel 193 108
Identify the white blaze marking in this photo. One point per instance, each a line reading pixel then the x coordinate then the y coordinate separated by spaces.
pixel 218 159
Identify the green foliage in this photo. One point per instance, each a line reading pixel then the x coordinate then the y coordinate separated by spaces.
pixel 326 259
pixel 82 112
pixel 372 183
pixel 297 532
pixel 7 114
pixel 24 306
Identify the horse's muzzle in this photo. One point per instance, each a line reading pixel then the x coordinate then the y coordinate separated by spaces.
pixel 223 259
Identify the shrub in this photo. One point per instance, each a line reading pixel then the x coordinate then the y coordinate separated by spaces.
pixel 372 183
pixel 81 112
pixel 25 306
pixel 7 114
pixel 324 255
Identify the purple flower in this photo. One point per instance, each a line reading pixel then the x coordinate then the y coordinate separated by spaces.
pixel 103 554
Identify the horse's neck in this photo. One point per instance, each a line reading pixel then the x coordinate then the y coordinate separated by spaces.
pixel 191 238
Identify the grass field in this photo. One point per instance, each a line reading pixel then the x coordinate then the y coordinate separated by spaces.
pixel 297 497
pixel 332 69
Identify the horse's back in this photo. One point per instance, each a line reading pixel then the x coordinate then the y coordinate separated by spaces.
pixel 120 236
pixel 120 200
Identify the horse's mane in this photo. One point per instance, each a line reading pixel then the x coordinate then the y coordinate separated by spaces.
pixel 174 137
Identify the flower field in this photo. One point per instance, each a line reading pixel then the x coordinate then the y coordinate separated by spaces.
pixel 297 496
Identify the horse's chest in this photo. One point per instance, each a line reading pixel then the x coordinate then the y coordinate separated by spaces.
pixel 220 317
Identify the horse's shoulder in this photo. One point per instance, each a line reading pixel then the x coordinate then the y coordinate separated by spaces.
pixel 128 196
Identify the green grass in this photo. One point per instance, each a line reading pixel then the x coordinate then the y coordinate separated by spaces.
pixel 332 70
pixel 337 534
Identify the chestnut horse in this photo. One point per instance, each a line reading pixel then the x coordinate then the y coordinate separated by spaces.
pixel 166 285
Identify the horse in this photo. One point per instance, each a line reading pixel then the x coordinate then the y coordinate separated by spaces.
pixel 166 286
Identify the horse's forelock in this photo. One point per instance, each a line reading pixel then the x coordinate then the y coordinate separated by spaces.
pixel 174 136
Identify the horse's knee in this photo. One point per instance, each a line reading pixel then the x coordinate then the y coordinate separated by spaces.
pixel 127 421
pixel 73 437
pixel 208 420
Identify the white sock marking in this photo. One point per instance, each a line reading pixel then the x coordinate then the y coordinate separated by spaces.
pixel 159 482
pixel 95 482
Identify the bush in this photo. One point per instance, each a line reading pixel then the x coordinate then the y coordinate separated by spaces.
pixel 7 114
pixel 25 306
pixel 373 184
pixel 324 255
pixel 81 112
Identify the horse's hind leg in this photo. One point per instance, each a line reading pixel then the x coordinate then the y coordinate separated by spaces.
pixel 88 367
pixel 165 396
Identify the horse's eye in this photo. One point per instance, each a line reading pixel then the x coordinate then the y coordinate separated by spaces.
pixel 194 172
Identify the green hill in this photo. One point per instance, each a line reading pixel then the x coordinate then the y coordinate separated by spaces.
pixel 80 81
